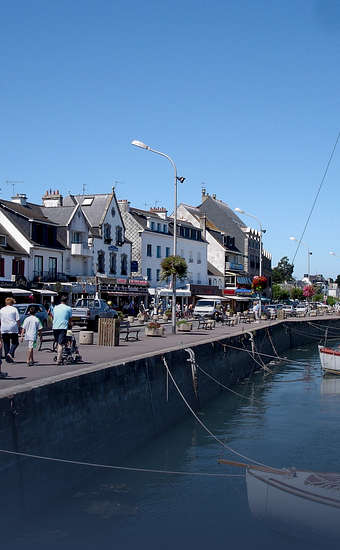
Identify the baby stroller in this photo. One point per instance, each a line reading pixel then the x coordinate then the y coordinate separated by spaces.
pixel 70 352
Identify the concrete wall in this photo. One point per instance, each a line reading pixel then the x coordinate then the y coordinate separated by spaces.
pixel 102 416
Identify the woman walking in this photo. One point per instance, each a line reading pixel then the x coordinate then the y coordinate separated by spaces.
pixel 9 319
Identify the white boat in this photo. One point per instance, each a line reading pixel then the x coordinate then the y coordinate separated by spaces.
pixel 330 360
pixel 297 503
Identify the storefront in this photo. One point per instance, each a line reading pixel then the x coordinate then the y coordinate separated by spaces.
pixel 123 293
pixel 206 290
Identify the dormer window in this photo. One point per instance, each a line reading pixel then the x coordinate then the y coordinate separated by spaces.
pixel 87 201
pixel 3 240
pixel 107 233
pixel 119 235
pixel 165 228
pixel 152 226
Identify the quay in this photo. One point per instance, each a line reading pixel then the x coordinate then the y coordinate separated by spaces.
pixel 102 410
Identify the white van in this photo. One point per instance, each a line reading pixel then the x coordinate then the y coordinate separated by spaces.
pixel 207 307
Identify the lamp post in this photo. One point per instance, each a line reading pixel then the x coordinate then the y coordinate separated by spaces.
pixel 309 253
pixel 240 211
pixel 148 148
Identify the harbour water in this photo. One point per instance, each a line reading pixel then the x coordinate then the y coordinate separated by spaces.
pixel 288 418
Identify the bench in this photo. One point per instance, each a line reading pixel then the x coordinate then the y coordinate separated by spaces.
pixel 46 336
pixel 207 324
pixel 128 331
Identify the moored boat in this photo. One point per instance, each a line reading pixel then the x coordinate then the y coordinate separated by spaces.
pixel 330 360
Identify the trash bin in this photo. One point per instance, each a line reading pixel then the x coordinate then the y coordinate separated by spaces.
pixel 108 332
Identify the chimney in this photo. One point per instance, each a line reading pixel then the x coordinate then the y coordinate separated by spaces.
pixel 214 196
pixel 52 199
pixel 203 224
pixel 160 211
pixel 124 205
pixel 20 198
pixel 204 194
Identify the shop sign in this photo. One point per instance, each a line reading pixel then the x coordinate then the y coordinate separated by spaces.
pixel 140 282
pixel 122 281
pixel 112 247
pixel 244 291
pixel 236 267
pixel 229 291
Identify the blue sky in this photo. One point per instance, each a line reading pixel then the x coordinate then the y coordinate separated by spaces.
pixel 244 95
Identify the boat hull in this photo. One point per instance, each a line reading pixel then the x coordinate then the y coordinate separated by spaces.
pixel 330 360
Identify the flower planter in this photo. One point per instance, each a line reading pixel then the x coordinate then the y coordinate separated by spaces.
pixel 154 331
pixel 184 327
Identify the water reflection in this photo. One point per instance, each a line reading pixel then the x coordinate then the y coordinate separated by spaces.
pixel 330 385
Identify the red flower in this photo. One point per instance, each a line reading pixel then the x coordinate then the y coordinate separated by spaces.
pixel 259 283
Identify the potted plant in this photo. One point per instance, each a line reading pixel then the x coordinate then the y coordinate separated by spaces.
pixel 184 326
pixel 167 315
pixel 154 329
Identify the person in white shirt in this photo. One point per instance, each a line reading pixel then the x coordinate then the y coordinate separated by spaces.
pixel 9 319
pixel 31 327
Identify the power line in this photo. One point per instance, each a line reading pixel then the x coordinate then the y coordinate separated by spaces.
pixel 317 195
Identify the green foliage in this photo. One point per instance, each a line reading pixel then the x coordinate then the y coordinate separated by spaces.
pixel 174 265
pixel 331 301
pixel 317 297
pixel 337 280
pixel 283 271
pixel 279 293
pixel 296 293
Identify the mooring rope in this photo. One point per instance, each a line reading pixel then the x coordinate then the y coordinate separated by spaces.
pixel 111 467
pixel 272 343
pixel 312 337
pixel 226 387
pixel 302 363
pixel 326 327
pixel 227 447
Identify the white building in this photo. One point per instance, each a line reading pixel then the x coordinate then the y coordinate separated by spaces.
pixel 151 234
pixel 94 234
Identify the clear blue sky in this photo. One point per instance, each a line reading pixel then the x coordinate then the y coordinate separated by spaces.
pixel 244 95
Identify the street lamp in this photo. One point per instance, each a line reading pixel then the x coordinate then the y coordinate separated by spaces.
pixel 240 211
pixel 142 145
pixel 309 253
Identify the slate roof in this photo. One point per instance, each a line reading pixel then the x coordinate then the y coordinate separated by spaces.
pixel 219 238
pixel 141 217
pixel 223 217
pixel 59 215
pixel 213 271
pixel 95 212
pixel 29 210
pixel 12 246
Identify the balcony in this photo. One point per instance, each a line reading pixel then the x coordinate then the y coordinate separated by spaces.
pixel 231 266
pixel 80 249
pixel 50 277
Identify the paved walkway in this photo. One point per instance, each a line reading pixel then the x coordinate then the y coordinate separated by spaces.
pixel 22 378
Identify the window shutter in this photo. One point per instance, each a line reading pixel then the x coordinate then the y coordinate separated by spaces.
pixel 13 267
pixel 2 267
pixel 21 270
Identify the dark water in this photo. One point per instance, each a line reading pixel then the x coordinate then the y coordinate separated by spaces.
pixel 290 419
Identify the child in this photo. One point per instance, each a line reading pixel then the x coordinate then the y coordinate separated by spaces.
pixel 31 327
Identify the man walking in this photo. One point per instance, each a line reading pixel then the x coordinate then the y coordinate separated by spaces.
pixel 9 319
pixel 61 318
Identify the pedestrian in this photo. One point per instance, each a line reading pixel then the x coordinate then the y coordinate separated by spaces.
pixel 30 330
pixel 2 373
pixel 257 311
pixel 10 322
pixel 61 321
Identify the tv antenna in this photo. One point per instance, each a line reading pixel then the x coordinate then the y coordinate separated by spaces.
pixel 13 183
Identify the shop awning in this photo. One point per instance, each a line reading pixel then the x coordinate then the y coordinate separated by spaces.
pixel 44 292
pixel 16 291
pixel 243 280
pixel 179 292
pixel 240 298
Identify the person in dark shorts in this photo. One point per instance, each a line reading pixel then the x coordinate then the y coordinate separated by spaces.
pixel 61 318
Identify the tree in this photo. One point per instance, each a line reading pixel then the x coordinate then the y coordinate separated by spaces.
pixel 331 301
pixel 279 293
pixel 283 271
pixel 318 297
pixel 337 280
pixel 174 266
pixel 296 293
pixel 308 291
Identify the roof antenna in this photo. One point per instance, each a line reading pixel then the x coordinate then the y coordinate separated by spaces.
pixel 13 184
pixel 84 188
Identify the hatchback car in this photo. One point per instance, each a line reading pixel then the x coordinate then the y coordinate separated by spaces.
pixel 41 312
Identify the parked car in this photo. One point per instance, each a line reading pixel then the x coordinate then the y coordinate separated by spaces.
pixel 289 310
pixel 208 308
pixel 301 309
pixel 41 312
pixel 87 312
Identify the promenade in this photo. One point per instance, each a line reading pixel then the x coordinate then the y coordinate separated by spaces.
pixel 45 371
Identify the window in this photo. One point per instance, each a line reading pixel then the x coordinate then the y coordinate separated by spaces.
pixel 52 267
pixel 113 212
pixel 159 227
pixel 38 266
pixel 191 259
pixel 158 274
pixel 18 267
pixel 159 251
pixel 167 252
pixel 148 274
pixel 2 267
pixel 165 228
pixel 77 237
pixel 101 261
pixel 87 201
pixel 123 267
pixel 152 226
pixel 3 240
pixel 113 263
pixel 199 261
pixel 209 282
pixel 107 233
pixel 119 235
pixel 149 250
